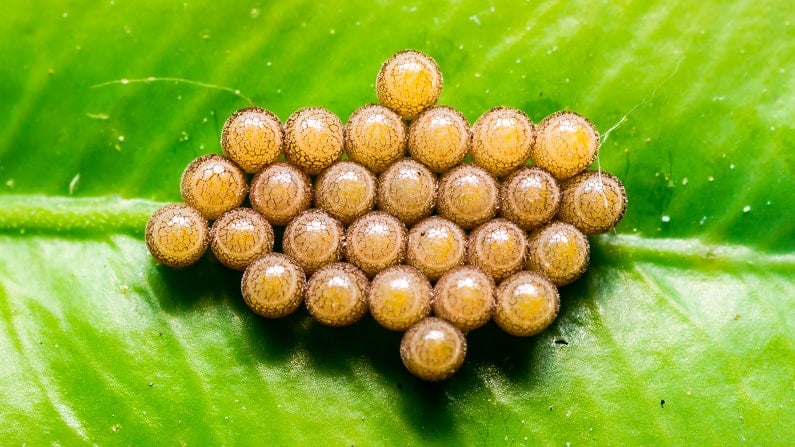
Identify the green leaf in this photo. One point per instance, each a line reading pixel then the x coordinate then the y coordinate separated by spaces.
pixel 682 331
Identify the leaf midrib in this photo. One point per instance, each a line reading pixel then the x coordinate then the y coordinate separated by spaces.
pixel 73 217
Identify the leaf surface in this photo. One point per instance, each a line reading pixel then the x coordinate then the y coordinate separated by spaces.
pixel 681 332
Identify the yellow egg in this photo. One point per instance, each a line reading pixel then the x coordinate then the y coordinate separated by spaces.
pixel 468 196
pixel 213 185
pixel 499 247
pixel 529 197
pixel 439 138
pixel 239 237
pixel 559 251
pixel 314 239
pixel 407 190
pixel 374 242
pixel 273 285
pixel 177 235
pixel 314 139
pixel 252 137
pixel 399 297
pixel 594 202
pixel 336 294
pixel 435 246
pixel 346 190
pixel 527 303
pixel 433 349
pixel 408 83
pixel 502 139
pixel 375 137
pixel 565 144
pixel 464 296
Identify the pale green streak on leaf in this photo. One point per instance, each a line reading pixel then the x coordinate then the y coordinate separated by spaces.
pixel 88 216
pixel 690 301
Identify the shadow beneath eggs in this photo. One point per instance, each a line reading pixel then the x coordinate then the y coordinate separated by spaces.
pixel 495 360
pixel 490 347
pixel 365 357
pixel 205 283
pixel 430 409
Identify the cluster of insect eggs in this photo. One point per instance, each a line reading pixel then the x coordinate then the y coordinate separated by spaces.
pixel 341 257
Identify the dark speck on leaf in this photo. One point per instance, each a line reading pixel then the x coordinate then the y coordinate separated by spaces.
pixel 662 403
pixel 561 341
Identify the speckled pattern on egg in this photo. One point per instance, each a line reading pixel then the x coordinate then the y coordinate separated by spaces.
pixel 177 235
pixel 375 241
pixel 213 185
pixel 593 201
pixel 273 285
pixel 346 190
pixel 239 237
pixel 565 145
pixel 435 246
pixel 407 190
pixel 464 296
pixel 279 192
pixel 314 239
pixel 399 297
pixel 529 197
pixel 468 196
pixel 439 138
pixel 502 139
pixel 527 303
pixel 559 251
pixel 408 83
pixel 314 139
pixel 499 247
pixel 433 349
pixel 375 137
pixel 336 294
pixel 252 137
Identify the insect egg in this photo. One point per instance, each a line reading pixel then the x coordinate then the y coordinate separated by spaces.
pixel 499 247
pixel 374 242
pixel 314 139
pixel 399 297
pixel 313 239
pixel 177 235
pixel 529 197
pixel 336 294
pixel 433 349
pixel 346 190
pixel 501 140
pixel 464 296
pixel 559 251
pixel 527 303
pixel 408 83
pixel 252 137
pixel 279 192
pixel 594 202
pixel 468 196
pixel 375 137
pixel 566 144
pixel 407 190
pixel 439 138
pixel 435 246
pixel 239 237
pixel 273 285
pixel 213 185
